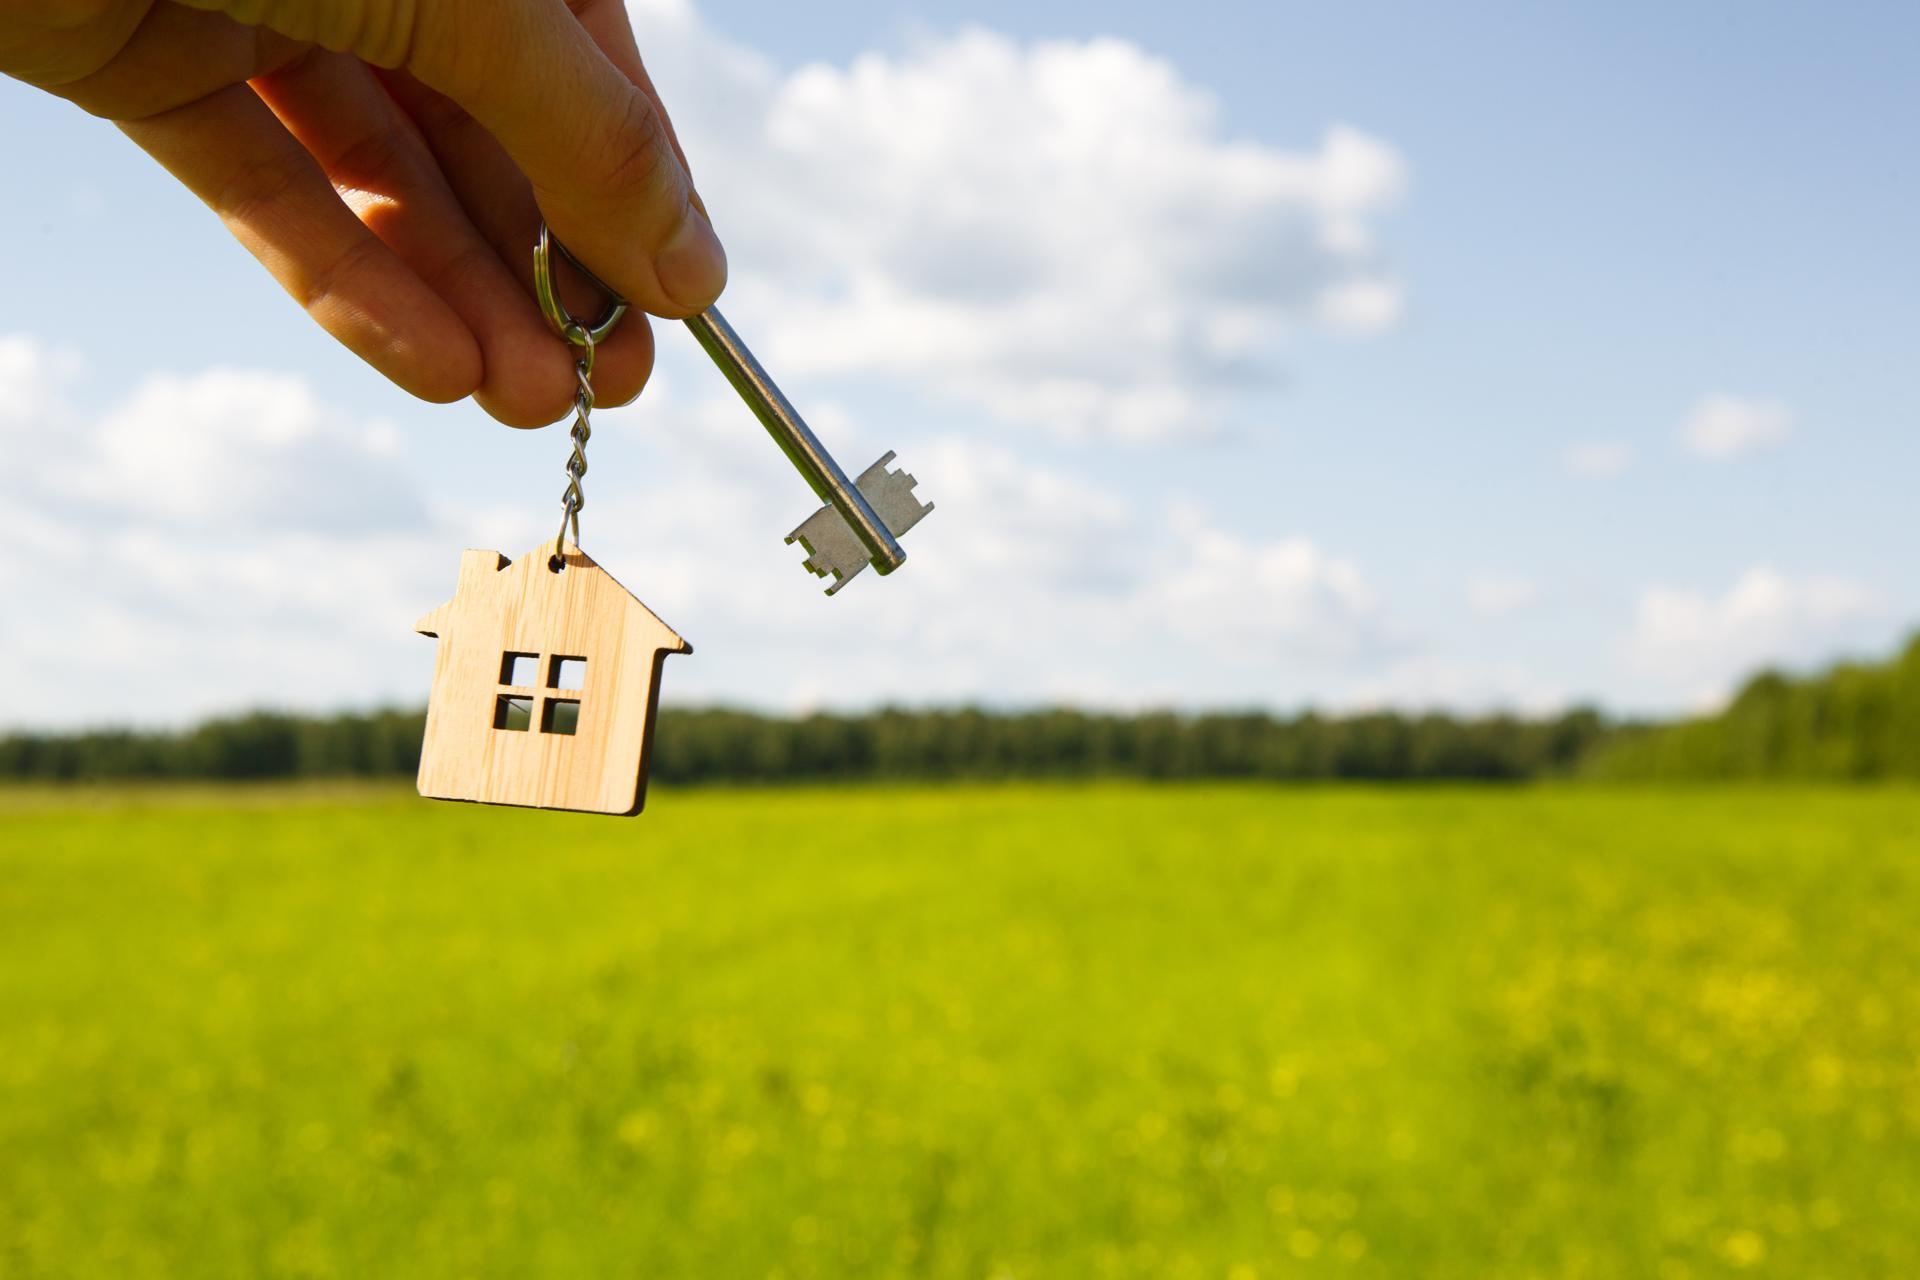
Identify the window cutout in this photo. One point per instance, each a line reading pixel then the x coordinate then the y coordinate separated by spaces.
pixel 514 714
pixel 563 716
pixel 567 673
pixel 521 670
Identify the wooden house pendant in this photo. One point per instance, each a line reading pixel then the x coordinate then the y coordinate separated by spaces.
pixel 545 685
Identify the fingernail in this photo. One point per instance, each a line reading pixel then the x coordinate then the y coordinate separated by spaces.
pixel 692 266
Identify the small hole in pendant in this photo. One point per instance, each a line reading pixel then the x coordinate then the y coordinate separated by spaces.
pixel 556 565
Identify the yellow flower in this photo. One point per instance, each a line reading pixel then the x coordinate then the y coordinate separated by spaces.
pixel 1744 1249
pixel 636 1128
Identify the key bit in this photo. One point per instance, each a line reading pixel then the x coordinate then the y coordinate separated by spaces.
pixel 855 532
pixel 832 546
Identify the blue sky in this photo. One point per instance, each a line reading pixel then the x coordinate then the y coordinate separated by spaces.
pixel 1625 406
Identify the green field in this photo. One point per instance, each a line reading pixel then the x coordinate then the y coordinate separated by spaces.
pixel 980 1032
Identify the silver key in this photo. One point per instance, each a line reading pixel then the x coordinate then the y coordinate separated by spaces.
pixel 861 524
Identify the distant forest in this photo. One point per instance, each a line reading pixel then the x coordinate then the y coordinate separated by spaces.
pixel 1857 721
pixel 1854 722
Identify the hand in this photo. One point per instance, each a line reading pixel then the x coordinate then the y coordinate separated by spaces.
pixel 389 162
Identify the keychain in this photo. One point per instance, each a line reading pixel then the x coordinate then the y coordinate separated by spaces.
pixel 546 682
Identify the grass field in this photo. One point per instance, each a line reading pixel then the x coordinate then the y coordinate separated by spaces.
pixel 985 1032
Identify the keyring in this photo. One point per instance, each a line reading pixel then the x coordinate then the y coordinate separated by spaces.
pixel 546 290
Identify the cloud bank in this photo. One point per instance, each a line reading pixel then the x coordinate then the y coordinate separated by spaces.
pixel 1061 234
pixel 225 538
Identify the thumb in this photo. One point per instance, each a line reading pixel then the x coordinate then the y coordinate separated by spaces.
pixel 596 147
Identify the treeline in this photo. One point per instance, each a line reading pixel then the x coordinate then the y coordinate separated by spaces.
pixel 696 746
pixel 1855 722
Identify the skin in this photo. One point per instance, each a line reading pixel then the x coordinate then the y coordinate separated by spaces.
pixel 389 162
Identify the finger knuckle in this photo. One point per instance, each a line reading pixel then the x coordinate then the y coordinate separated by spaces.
pixel 257 190
pixel 635 156
pixel 370 161
pixel 331 278
pixel 437 114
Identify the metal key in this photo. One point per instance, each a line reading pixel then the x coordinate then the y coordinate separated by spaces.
pixel 862 522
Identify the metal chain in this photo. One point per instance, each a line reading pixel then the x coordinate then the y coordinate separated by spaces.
pixel 575 497
pixel 585 341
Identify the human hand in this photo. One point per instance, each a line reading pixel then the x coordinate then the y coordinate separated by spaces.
pixel 389 162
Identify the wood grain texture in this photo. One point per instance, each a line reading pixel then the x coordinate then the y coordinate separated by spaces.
pixel 526 607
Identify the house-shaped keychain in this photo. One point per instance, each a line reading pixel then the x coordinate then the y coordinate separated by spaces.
pixel 544 687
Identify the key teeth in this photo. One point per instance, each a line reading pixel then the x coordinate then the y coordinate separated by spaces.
pixel 834 549
pixel 813 563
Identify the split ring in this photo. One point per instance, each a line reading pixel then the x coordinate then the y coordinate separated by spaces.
pixel 547 291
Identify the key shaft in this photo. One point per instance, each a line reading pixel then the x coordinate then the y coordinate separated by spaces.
pixel 795 438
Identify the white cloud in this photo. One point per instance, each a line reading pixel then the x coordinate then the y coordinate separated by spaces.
pixel 33 379
pixel 1702 643
pixel 1361 306
pixel 247 448
pixel 1059 233
pixel 1721 427
pixel 1258 601
pixel 1599 459
pixel 1499 595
